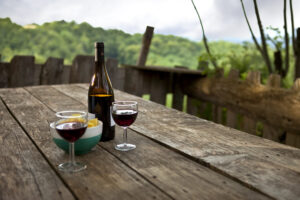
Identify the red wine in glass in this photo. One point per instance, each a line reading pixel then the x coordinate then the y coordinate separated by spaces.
pixel 71 125
pixel 71 131
pixel 124 114
pixel 124 117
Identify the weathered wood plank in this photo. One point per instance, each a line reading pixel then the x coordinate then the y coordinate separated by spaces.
pixel 177 174
pixel 52 71
pixel 293 139
pixel 4 73
pixel 66 74
pixel 163 166
pixel 192 107
pixel 233 152
pixel 25 174
pixel 268 166
pixel 82 69
pixel 249 124
pixel 116 74
pixel 106 176
pixel 217 114
pixel 231 116
pixel 22 71
pixel 177 93
pixel 147 37
pixel 270 132
pixel 159 87
pixel 133 81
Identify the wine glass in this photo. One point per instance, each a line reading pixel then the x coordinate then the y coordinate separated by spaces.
pixel 71 125
pixel 124 114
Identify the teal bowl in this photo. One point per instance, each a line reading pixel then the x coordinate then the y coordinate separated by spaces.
pixel 84 145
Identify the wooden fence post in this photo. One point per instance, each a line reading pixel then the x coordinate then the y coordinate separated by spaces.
pixel 177 90
pixel 159 87
pixel 4 73
pixel 293 139
pixel 192 107
pixel 269 132
pixel 23 72
pixel 231 117
pixel 66 70
pixel 145 46
pixel 249 124
pixel 297 60
pixel 217 111
pixel 82 69
pixel 116 74
pixel 52 71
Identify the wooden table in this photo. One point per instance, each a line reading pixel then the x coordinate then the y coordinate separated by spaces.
pixel 178 156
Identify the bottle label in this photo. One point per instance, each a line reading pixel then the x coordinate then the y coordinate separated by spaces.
pixel 112 121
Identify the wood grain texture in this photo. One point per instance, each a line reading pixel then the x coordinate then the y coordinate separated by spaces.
pixel 25 174
pixel 192 107
pixel 231 116
pixel 52 71
pixel 217 114
pixel 116 74
pixel 82 69
pixel 159 87
pixel 249 124
pixel 270 132
pixel 66 74
pixel 178 94
pixel 163 166
pixel 106 176
pixel 176 174
pixel 268 166
pixel 4 74
pixel 22 72
pixel 133 81
pixel 147 37
pixel 293 139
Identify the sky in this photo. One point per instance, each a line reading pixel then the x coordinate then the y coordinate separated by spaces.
pixel 222 19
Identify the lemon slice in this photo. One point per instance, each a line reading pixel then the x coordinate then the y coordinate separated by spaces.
pixel 93 122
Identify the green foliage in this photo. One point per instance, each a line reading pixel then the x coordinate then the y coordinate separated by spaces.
pixel 68 39
pixel 277 39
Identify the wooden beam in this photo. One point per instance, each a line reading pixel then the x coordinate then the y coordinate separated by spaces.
pixel 145 46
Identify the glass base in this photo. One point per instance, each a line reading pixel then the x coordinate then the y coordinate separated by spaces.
pixel 71 167
pixel 125 147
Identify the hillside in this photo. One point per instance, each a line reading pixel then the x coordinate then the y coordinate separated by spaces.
pixel 67 39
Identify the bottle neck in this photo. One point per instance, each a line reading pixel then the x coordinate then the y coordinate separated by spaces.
pixel 99 59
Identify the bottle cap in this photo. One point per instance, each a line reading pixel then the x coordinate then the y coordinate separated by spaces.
pixel 99 44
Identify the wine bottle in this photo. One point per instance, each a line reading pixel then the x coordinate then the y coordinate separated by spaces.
pixel 101 95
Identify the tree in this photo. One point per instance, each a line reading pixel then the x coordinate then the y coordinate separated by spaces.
pixel 280 66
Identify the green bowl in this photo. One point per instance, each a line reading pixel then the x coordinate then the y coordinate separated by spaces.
pixel 85 144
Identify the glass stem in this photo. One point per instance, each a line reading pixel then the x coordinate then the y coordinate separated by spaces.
pixel 71 153
pixel 125 136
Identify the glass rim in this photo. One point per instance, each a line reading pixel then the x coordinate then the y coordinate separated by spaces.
pixel 124 103
pixel 60 114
